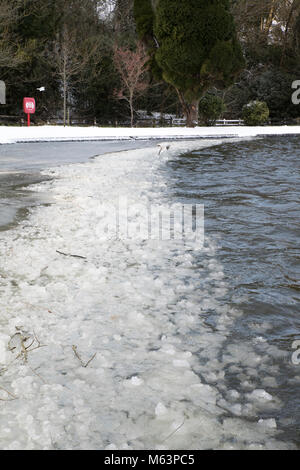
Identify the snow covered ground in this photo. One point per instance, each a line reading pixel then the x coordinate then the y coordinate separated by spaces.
pixel 100 338
pixel 52 133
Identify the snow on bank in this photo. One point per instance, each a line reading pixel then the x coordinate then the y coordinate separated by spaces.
pixel 108 348
pixel 59 133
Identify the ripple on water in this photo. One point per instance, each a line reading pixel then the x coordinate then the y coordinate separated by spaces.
pixel 251 193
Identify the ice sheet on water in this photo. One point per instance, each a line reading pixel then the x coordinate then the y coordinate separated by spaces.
pixel 122 356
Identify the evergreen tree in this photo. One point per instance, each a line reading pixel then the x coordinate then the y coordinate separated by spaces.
pixel 196 46
pixel 144 17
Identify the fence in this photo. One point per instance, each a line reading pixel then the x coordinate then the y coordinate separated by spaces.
pixel 142 122
pixel 181 122
pixel 10 120
pixel 147 121
pixel 230 122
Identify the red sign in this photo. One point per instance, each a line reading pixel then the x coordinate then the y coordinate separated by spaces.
pixel 29 105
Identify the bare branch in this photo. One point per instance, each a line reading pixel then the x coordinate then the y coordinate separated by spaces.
pixel 11 395
pixel 84 364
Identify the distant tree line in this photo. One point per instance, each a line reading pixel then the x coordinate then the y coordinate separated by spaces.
pixel 102 60
pixel 269 32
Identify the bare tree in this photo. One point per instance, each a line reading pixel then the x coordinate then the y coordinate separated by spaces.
pixel 132 68
pixel 268 20
pixel 123 19
pixel 66 62
pixel 70 59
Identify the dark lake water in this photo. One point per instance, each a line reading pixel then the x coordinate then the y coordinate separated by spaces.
pixel 251 193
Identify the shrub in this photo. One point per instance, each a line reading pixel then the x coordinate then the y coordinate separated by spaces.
pixel 256 113
pixel 211 107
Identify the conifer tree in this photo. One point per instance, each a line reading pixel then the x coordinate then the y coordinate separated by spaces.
pixel 195 43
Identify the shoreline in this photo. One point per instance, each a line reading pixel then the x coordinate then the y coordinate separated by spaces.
pixel 14 134
pixel 116 306
pixel 47 167
pixel 19 161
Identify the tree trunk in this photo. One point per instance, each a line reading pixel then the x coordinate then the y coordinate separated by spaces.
pixel 192 113
pixel 131 109
pixel 285 40
pixel 271 17
pixel 190 110
pixel 65 94
pixel 65 105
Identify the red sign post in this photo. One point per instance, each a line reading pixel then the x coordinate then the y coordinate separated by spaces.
pixel 29 108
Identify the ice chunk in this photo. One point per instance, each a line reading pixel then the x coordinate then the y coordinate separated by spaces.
pixel 260 395
pixel 136 381
pixel 160 409
pixel 268 423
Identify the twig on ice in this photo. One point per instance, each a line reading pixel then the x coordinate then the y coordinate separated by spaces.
pixel 38 375
pixel 23 338
pixel 68 254
pixel 13 397
pixel 79 358
pixel 174 432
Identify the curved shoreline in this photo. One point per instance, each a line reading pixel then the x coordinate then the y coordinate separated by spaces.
pixel 24 163
pixel 17 166
pixel 114 364
pixel 59 133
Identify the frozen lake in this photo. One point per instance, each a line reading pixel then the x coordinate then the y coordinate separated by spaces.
pixel 39 155
pixel 20 165
pixel 189 347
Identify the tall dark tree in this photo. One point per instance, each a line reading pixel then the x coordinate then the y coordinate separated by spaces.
pixel 196 46
pixel 9 53
pixel 27 37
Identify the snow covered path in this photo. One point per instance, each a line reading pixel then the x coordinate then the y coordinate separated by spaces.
pixel 130 311
pixel 14 134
